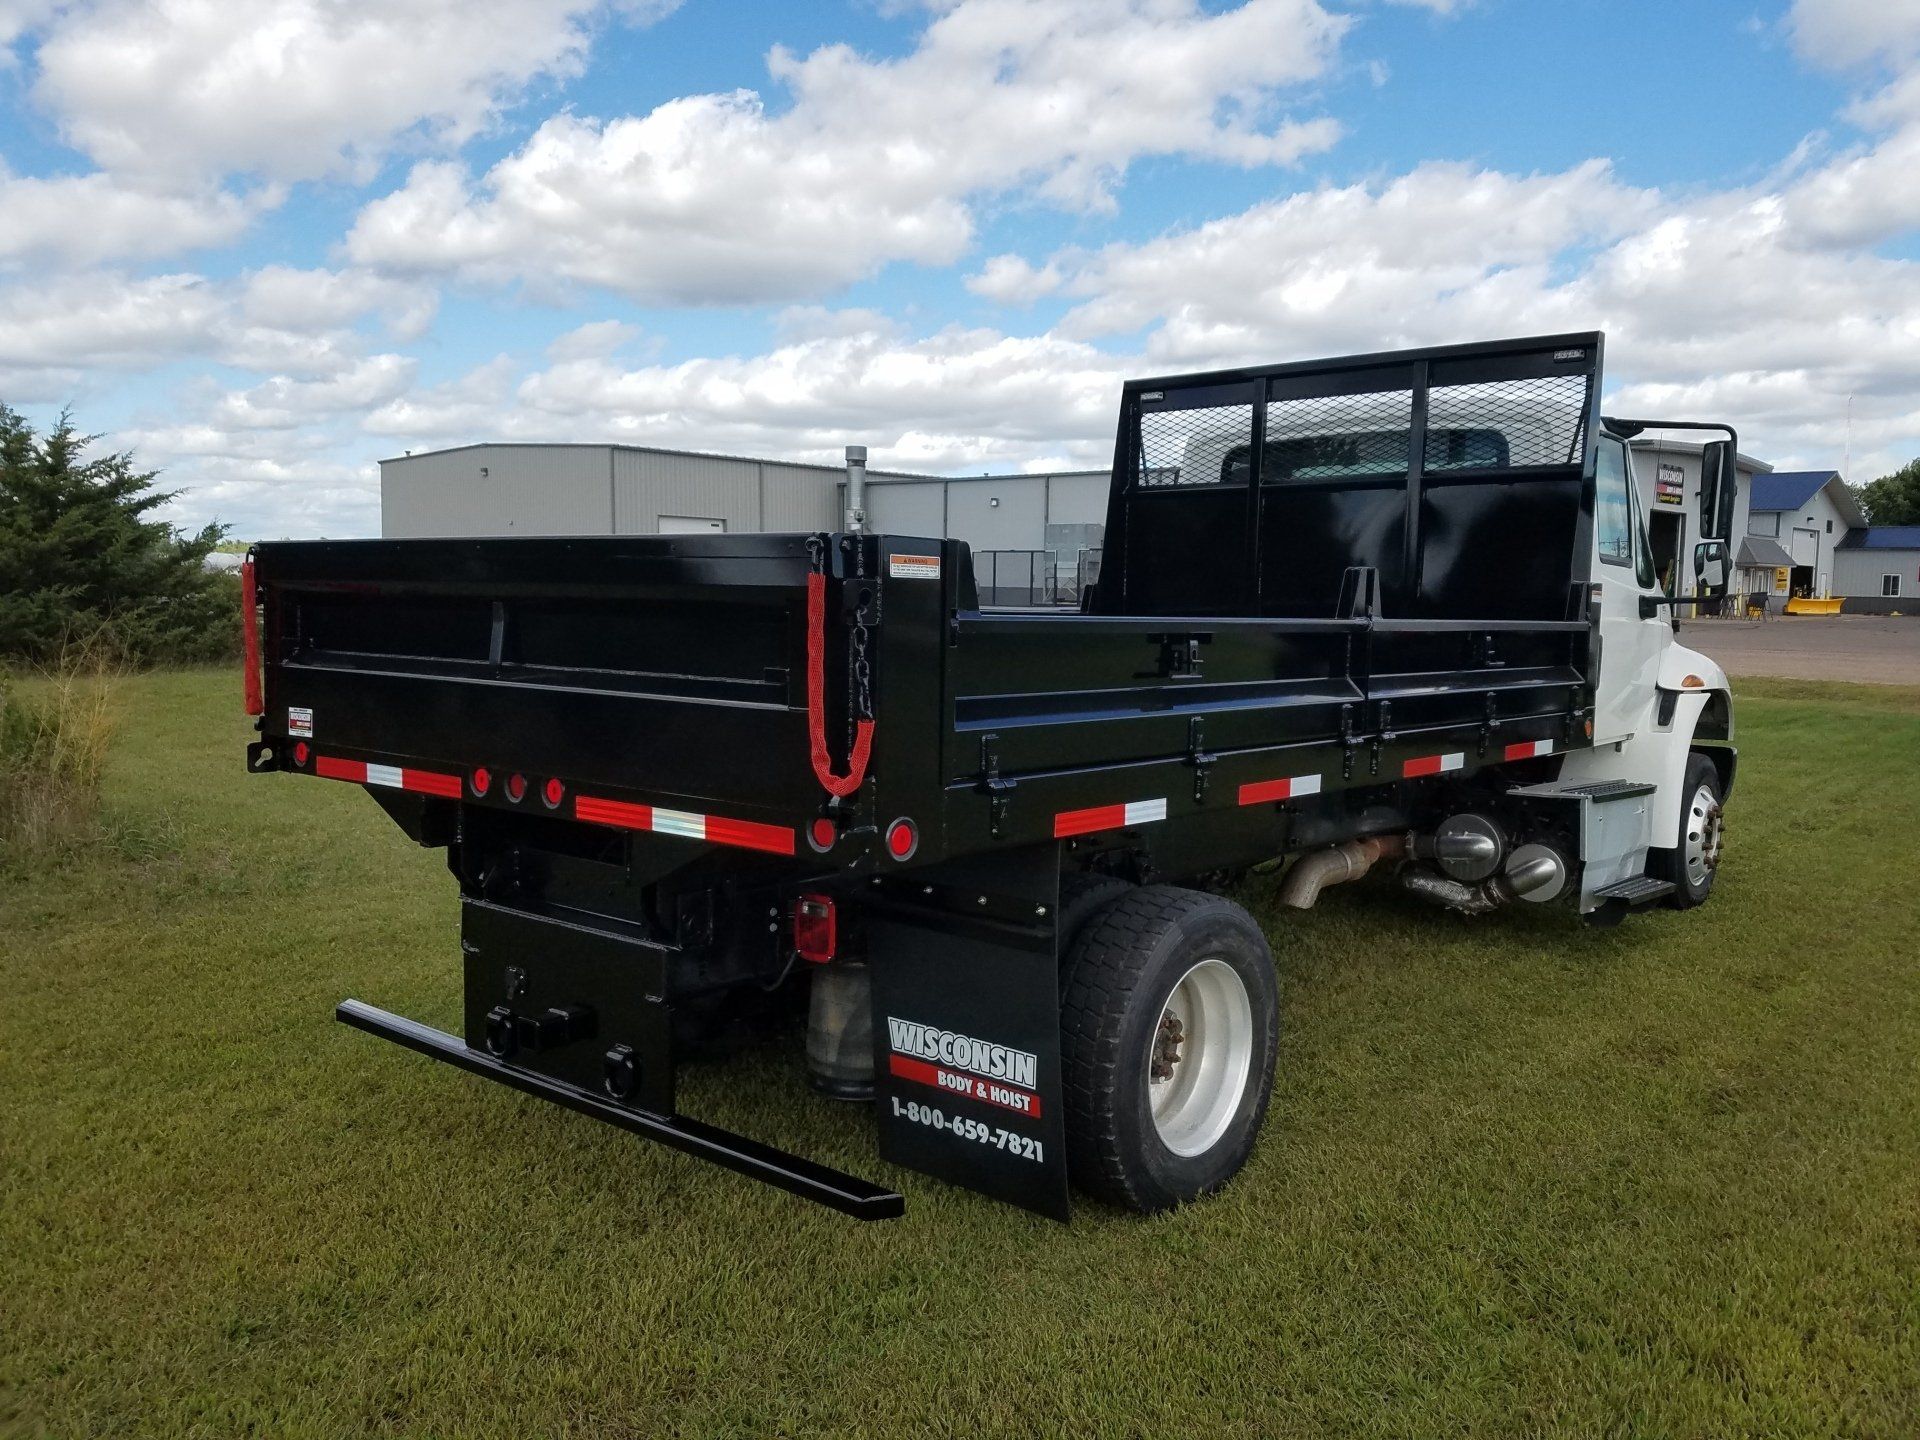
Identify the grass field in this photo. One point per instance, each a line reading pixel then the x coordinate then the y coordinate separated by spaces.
pixel 1520 1178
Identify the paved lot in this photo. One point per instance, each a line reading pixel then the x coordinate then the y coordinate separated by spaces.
pixel 1878 649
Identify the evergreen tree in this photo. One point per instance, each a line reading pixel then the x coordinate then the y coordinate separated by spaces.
pixel 80 559
pixel 1893 499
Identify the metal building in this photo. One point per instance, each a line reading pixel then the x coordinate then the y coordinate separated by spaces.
pixel 1035 537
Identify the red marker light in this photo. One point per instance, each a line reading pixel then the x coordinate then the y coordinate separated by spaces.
pixel 815 929
pixel 300 753
pixel 516 788
pixel 482 780
pixel 902 839
pixel 822 833
pixel 554 794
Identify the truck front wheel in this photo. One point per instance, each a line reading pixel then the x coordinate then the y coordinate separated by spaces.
pixel 1695 858
pixel 1170 1024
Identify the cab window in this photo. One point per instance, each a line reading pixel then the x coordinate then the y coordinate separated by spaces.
pixel 1613 504
pixel 1642 551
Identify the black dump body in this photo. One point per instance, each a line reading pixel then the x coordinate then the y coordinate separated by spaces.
pixel 1328 589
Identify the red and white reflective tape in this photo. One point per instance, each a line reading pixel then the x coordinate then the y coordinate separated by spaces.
pixel 1261 791
pixel 1527 749
pixel 1433 765
pixel 1108 817
pixel 714 829
pixel 392 777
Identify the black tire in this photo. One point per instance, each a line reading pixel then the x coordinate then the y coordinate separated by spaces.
pixel 1698 826
pixel 1121 972
pixel 1083 895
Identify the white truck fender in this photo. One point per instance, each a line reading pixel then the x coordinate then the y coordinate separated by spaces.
pixel 1687 682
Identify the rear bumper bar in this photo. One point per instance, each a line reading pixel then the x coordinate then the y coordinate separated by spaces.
pixel 832 1188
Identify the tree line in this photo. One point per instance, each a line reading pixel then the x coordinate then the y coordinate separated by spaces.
pixel 84 563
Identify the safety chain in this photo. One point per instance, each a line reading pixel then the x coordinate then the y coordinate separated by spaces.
pixel 862 708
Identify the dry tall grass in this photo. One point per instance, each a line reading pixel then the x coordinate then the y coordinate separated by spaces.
pixel 55 729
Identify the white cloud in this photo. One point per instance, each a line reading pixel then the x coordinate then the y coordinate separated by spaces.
pixel 95 320
pixel 296 324
pixel 290 89
pixel 595 338
pixel 284 297
pixel 715 199
pixel 283 403
pixel 77 220
pixel 960 397
pixel 1433 255
pixel 1843 33
pixel 455 412
pixel 1012 280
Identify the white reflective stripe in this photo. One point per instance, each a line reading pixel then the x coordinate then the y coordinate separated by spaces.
pixel 679 822
pixel 1141 812
pixel 388 775
pixel 1455 761
pixel 1303 785
pixel 1543 747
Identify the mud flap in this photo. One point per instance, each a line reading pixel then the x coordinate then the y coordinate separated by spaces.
pixel 966 1024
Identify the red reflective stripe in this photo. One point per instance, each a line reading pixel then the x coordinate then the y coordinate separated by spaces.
pixel 250 641
pixel 1266 790
pixel 1085 822
pixel 1525 750
pixel 327 767
pixel 1425 765
pixel 751 835
pixel 745 834
pixel 430 782
pixel 613 812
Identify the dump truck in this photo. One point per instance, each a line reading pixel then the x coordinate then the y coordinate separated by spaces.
pixel 1389 614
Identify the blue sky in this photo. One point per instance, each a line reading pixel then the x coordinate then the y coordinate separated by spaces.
pixel 266 243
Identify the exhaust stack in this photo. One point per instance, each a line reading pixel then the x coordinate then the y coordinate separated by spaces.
pixel 856 489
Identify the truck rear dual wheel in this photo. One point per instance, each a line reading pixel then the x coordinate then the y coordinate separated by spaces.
pixel 1170 1025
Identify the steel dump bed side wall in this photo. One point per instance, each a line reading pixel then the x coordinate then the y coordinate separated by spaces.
pixel 1079 713
pixel 665 668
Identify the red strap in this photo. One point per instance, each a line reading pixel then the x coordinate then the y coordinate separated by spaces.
pixel 842 785
pixel 250 636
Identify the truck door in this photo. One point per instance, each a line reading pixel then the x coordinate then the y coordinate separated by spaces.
pixel 1630 646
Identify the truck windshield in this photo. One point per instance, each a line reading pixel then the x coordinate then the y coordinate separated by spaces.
pixel 1306 458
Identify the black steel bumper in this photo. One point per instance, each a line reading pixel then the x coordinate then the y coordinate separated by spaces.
pixel 839 1191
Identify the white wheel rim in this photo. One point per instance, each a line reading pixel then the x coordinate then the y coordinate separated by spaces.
pixel 1197 1062
pixel 1705 829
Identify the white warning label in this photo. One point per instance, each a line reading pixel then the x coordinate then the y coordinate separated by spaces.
pixel 299 721
pixel 914 567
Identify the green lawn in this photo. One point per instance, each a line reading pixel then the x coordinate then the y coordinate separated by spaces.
pixel 1519 1178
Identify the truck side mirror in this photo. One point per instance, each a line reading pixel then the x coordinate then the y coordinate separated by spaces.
pixel 1719 485
pixel 1710 567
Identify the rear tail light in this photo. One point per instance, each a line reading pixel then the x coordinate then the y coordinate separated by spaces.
pixel 554 794
pixel 300 754
pixel 482 780
pixel 815 929
pixel 516 788
pixel 822 833
pixel 902 839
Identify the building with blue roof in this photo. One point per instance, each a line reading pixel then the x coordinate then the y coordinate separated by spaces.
pixel 1807 515
pixel 1878 568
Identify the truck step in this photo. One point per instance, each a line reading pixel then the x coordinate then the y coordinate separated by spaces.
pixel 1637 891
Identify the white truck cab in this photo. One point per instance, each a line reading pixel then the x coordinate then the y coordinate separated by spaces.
pixel 1663 713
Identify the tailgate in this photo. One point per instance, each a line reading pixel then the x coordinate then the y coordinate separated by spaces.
pixel 673 667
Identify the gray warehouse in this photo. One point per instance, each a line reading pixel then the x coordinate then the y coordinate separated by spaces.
pixel 1035 537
